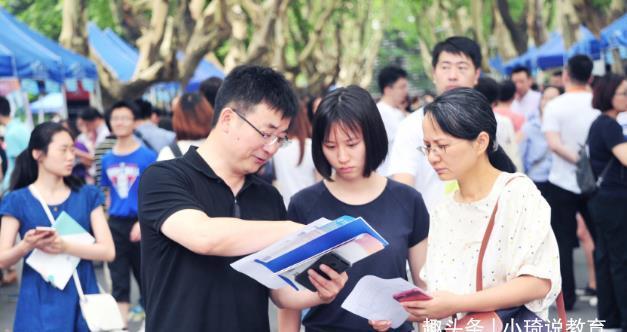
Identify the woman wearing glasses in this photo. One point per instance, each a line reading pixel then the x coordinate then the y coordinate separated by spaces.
pixel 348 144
pixel 521 264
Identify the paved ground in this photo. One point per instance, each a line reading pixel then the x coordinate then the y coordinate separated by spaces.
pixel 8 298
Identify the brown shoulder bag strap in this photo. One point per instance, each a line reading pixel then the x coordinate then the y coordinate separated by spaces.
pixel 561 311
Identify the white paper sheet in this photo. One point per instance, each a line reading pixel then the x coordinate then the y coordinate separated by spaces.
pixel 57 268
pixel 372 299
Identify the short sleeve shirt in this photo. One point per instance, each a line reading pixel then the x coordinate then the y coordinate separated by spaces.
pixel 39 300
pixel 391 117
pixel 398 214
pixel 406 158
pixel 185 291
pixel 605 134
pixel 570 115
pixel 121 174
pixel 522 242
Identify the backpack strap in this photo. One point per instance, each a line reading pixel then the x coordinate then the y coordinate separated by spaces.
pixel 146 143
pixel 176 151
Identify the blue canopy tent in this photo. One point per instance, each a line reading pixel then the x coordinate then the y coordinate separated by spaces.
pixel 615 34
pixel 588 44
pixel 75 65
pixel 32 60
pixel 118 62
pixel 551 53
pixel 121 59
pixel 528 59
pixel 497 64
pixel 7 63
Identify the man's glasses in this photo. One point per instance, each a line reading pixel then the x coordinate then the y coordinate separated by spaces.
pixel 267 138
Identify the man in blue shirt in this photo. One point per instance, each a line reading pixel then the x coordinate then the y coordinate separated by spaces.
pixel 121 169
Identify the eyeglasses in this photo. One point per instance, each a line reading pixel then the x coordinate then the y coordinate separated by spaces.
pixel 121 119
pixel 438 149
pixel 267 138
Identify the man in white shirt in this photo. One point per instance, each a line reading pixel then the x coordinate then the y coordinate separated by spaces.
pixel 393 85
pixel 527 101
pixel 456 63
pixel 566 122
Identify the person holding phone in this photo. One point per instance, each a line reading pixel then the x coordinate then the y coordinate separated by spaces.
pixel 521 262
pixel 45 167
pixel 349 143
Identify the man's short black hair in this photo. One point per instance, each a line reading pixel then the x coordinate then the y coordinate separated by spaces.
pixel 521 69
pixel 90 114
pixel 353 108
pixel 5 107
pixel 125 103
pixel 579 68
pixel 389 75
pixel 250 85
pixel 145 108
pixel 507 90
pixel 209 88
pixel 458 45
pixel 489 88
pixel 557 73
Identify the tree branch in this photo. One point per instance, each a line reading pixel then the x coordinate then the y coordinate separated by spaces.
pixel 314 35
pixel 518 37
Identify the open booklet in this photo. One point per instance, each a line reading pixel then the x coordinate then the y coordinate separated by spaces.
pixel 278 265
pixel 57 269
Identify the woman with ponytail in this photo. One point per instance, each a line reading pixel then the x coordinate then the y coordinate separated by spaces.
pixel 521 261
pixel 44 170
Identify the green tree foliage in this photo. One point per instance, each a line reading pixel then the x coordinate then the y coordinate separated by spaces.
pixel 41 15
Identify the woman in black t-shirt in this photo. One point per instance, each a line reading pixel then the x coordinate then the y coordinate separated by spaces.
pixel 348 144
pixel 608 156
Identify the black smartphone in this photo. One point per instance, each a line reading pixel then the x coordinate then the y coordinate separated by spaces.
pixel 332 260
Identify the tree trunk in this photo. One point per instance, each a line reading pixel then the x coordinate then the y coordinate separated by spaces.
pixel 476 13
pixel 593 17
pixel 517 31
pixel 74 28
pixel 503 39
pixel 125 17
pixel 211 31
pixel 150 42
pixel 569 22
pixel 535 24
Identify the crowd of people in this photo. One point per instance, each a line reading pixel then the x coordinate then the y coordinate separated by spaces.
pixel 247 162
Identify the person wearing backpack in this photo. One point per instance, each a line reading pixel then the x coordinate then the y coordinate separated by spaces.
pixel 566 122
pixel 146 131
pixel 191 120
pixel 608 155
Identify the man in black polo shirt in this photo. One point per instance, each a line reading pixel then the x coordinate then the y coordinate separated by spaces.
pixel 201 212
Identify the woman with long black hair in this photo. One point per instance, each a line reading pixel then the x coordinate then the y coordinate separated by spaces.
pixel 44 170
